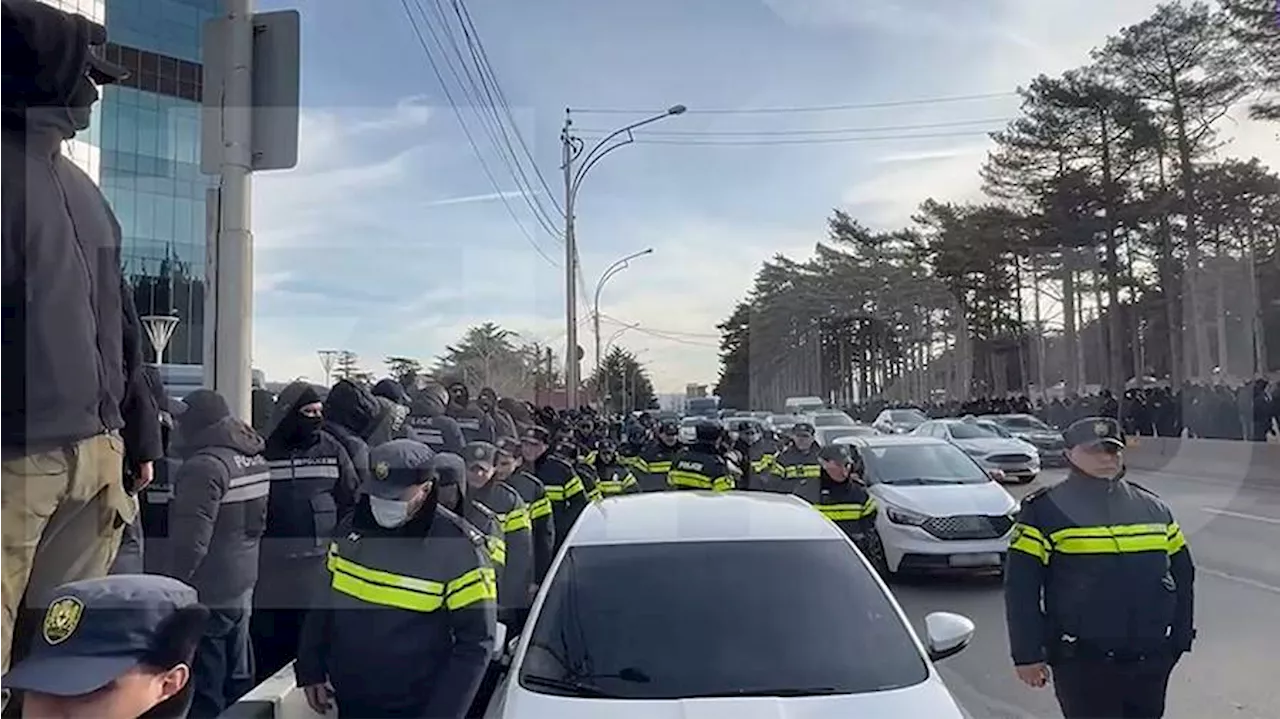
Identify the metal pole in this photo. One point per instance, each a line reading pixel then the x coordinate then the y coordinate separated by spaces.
pixel 570 264
pixel 233 330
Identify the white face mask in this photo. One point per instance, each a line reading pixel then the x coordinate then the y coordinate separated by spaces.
pixel 389 513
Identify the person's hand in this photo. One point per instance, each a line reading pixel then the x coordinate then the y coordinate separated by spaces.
pixel 319 697
pixel 146 473
pixel 1033 675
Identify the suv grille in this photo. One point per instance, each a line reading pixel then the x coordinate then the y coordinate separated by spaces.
pixel 1009 458
pixel 968 526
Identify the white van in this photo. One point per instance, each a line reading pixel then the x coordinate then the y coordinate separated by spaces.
pixel 802 405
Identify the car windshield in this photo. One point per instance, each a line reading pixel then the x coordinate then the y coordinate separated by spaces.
pixel 1022 422
pixel 921 464
pixel 784 420
pixel 834 419
pixel 907 416
pixel 830 434
pixel 703 619
pixel 995 429
pixel 970 430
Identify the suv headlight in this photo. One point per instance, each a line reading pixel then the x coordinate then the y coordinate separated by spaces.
pixel 898 515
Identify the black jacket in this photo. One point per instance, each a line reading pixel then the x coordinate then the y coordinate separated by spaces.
pixel 652 465
pixel 848 504
pixel 535 498
pixel 797 472
pixel 476 425
pixel 700 467
pixel 512 517
pixel 351 413
pixel 417 649
pixel 1097 566
pixel 438 432
pixel 218 512
pixel 72 343
pixel 564 489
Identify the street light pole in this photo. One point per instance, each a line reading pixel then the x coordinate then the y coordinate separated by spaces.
pixel 573 149
pixel 608 274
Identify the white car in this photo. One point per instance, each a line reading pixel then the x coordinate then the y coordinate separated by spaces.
pixel 987 443
pixel 694 604
pixel 899 421
pixel 830 418
pixel 939 509
pixel 828 435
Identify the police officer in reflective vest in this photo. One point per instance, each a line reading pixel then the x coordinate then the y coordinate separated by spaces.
pixel 797 466
pixel 563 485
pixel 701 466
pixel 405 622
pixel 1098 585
pixel 654 461
pixel 512 516
pixel 508 469
pixel 613 477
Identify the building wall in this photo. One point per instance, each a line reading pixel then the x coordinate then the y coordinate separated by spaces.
pixel 83 150
pixel 148 135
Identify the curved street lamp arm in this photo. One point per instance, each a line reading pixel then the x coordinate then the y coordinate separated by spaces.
pixel 593 156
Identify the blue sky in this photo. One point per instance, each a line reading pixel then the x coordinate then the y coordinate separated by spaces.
pixel 388 238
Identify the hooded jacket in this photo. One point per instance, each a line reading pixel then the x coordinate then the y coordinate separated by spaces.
pixel 476 425
pixel 218 510
pixel 350 414
pixel 429 425
pixel 71 337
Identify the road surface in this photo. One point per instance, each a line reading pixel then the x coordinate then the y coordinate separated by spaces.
pixel 1234 533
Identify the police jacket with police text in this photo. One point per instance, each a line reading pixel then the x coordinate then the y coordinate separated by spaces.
pixel 512 517
pixel 700 467
pixel 797 472
pixel 438 432
pixel 313 486
pixel 614 478
pixel 565 490
pixel 543 531
pixel 217 512
pixel 1111 566
pixel 404 620
pixel 652 465
pixel 846 503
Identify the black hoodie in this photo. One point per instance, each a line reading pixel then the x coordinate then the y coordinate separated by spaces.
pixel 351 413
pixel 72 340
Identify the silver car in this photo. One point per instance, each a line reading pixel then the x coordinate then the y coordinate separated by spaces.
pixel 1012 456
pixel 1030 429
pixel 693 604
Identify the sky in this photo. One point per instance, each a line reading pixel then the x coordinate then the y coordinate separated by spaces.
pixel 389 238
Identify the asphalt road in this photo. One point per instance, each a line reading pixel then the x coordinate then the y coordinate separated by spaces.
pixel 1234 534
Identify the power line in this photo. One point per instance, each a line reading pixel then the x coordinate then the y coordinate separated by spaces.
pixel 799 109
pixel 804 132
pixel 807 141
pixel 467 132
pixel 669 335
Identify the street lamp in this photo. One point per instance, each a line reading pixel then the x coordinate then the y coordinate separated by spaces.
pixel 608 274
pixel 573 149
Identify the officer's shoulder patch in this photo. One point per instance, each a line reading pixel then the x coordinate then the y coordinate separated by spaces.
pixel 62 619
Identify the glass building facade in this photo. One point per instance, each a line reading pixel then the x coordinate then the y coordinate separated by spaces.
pixel 147 140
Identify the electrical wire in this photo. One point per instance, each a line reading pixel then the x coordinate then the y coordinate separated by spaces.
pixel 663 334
pixel 802 109
pixel 640 139
pixel 802 132
pixel 435 69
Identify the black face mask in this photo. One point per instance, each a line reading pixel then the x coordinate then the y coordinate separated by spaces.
pixel 303 429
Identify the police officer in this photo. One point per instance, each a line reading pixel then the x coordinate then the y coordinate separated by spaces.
pixel 428 423
pixel 120 647
pixel 405 623
pixel 844 500
pixel 534 494
pixel 451 478
pixel 634 439
pixel 216 518
pixel 798 466
pixel 563 485
pixel 760 455
pixel 1098 584
pixel 474 423
pixel 500 498
pixel 701 466
pixel 654 461
pixel 612 476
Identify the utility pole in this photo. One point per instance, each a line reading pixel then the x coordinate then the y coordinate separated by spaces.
pixel 570 271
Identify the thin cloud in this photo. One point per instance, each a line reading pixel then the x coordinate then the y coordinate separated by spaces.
pixel 469 199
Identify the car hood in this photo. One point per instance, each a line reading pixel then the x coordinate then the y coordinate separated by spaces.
pixel 947 500
pixel 1039 436
pixel 991 445
pixel 928 699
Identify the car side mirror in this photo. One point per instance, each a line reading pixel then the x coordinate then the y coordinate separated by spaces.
pixel 996 475
pixel 947 634
pixel 500 642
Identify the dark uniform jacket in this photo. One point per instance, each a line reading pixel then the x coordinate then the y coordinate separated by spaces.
pixel 848 504
pixel 415 646
pixel 438 432
pixel 72 342
pixel 564 489
pixel 798 473
pixel 700 467
pixel 217 512
pixel 614 478
pixel 476 426
pixel 350 413
pixel 761 459
pixel 1111 567
pixel 512 517
pixel 543 531
pixel 652 465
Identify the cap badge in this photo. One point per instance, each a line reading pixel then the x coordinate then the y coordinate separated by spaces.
pixel 1101 429
pixel 381 470
pixel 61 620
pixel 478 452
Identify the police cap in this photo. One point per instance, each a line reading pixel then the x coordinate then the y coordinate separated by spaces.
pixel 480 454
pixel 835 453
pixel 396 465
pixel 1092 431
pixel 801 428
pixel 508 447
pixel 96 630
pixel 536 435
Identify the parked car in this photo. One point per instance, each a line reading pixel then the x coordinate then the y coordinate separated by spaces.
pixel 939 508
pixel 784 422
pixel 830 418
pixel 661 605
pixel 828 435
pixel 1030 429
pixel 899 421
pixel 1014 457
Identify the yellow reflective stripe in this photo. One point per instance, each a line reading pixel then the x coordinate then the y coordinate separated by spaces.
pixel 496 548
pixel 477 585
pixel 765 462
pixel 540 508
pixel 610 486
pixel 658 467
pixel 516 519
pixel 846 512
pixel 383 588
pixel 595 495
pixel 629 481
pixel 590 458
pixel 555 493
pixel 723 484
pixel 1116 539
pixel 1176 541
pixel 691 480
pixel 574 487
pixel 638 464
pixel 803 471
pixel 1029 540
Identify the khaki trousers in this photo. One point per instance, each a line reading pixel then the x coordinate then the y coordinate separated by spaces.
pixel 63 511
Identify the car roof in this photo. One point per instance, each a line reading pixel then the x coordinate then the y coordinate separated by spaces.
pixel 887 440
pixel 693 516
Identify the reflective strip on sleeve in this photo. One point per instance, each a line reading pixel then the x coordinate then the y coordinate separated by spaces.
pixel 1029 540
pixel 573 487
pixel 846 512
pixel 723 484
pixel 629 481
pixel 478 585
pixel 250 486
pixel 609 486
pixel 540 508
pixel 763 464
pixel 496 548
pixel 803 471
pixel 595 495
pixel 688 480
pixel 516 520
pixel 555 493
pixel 658 467
pixel 1176 541
pixel 1112 539
pixel 638 464
pixel 383 588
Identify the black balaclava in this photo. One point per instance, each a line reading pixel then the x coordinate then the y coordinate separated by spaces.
pixel 392 390
pixel 451 478
pixel 488 399
pixel 291 429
